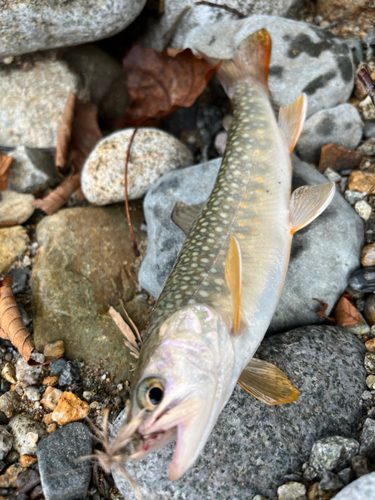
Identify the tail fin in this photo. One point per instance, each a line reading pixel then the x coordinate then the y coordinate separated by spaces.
pixel 250 62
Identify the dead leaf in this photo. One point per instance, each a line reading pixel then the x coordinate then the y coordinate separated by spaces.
pixel 11 323
pixel 65 133
pixel 59 196
pixel 322 312
pixel 160 83
pixel 130 338
pixel 5 164
pixel 346 314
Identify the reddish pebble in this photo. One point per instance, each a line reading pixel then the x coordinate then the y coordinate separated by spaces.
pixel 27 460
pixel 55 350
pixel 51 381
pixel 370 345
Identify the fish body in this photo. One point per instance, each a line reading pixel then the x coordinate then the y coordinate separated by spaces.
pixel 223 290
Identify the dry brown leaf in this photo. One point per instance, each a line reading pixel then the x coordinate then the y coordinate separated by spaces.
pixel 322 312
pixel 5 164
pixel 11 323
pixel 65 133
pixel 160 83
pixel 130 340
pixel 346 314
pixel 59 196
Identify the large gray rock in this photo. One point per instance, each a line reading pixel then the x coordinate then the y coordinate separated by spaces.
pixel 323 254
pixel 341 125
pixel 181 16
pixel 30 26
pixel 361 489
pixel 254 445
pixel 304 58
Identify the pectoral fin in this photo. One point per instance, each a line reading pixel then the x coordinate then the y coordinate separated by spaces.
pixel 267 383
pixel 184 215
pixel 291 120
pixel 308 202
pixel 233 272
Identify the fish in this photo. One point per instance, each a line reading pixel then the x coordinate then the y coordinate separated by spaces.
pixel 220 297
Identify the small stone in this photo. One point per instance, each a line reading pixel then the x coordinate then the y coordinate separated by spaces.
pixel 17 388
pixel 370 381
pixel 363 280
pixel 20 280
pixel 332 176
pixel 51 381
pixel 363 209
pixel 367 109
pixel 361 181
pixel 332 453
pixel 4 386
pixel 291 491
pixel 338 158
pixel 370 345
pixel 12 457
pixel 346 475
pixel 51 398
pixel 259 497
pixel 9 477
pixel 9 373
pixel 310 474
pixel 37 493
pixel 55 350
pixel 58 366
pixel 353 196
pixel 70 409
pixel 27 480
pixel 88 395
pixel 70 374
pixel 367 147
pixel 26 374
pixel 15 208
pixel 32 393
pixel 6 442
pixel 369 363
pixel 51 428
pixel 360 465
pixel 330 481
pixel 9 403
pixel 221 142
pixel 13 241
pixel 367 447
pixel 368 255
pixel 26 432
pixel 154 153
pixel 369 311
pixel 28 460
pixel 48 419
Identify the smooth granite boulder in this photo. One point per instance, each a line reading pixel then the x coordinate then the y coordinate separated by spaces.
pixel 361 489
pixel 254 445
pixel 323 254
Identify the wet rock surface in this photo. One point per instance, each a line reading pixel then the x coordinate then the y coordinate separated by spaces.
pixel 337 234
pixel 13 241
pixel 270 441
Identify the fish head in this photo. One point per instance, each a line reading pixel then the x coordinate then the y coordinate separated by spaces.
pixel 183 384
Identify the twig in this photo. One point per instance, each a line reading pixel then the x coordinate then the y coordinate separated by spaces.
pixel 368 83
pixel 132 235
pixel 225 7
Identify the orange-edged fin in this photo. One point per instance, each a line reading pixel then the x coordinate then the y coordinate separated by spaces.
pixel 308 202
pixel 291 120
pixel 250 62
pixel 233 272
pixel 267 383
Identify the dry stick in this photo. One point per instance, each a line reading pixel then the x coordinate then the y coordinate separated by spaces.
pixel 132 235
pixel 368 83
pixel 225 7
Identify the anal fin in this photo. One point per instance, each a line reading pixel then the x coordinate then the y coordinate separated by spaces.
pixel 233 272
pixel 184 215
pixel 291 120
pixel 267 383
pixel 308 202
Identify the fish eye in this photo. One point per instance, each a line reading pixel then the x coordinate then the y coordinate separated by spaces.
pixel 150 393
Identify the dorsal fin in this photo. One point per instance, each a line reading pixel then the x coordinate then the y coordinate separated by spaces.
pixel 184 215
pixel 308 202
pixel 291 120
pixel 233 272
pixel 267 383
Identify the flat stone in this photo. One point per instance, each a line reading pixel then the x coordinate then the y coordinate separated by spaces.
pixel 341 125
pixel 333 453
pixel 15 208
pixel 6 442
pixel 71 301
pixel 153 153
pixel 315 270
pixel 254 445
pixel 363 280
pixel 63 477
pixel 367 447
pixel 304 58
pixel 363 209
pixel 26 432
pixel 368 255
pixel 338 158
pixel 32 117
pixel 361 489
pixel 13 241
pixel 70 409
pixel 32 170
pixel 28 27
pixel 291 491
pixel 361 182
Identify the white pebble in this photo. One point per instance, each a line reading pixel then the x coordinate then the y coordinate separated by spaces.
pixel 363 209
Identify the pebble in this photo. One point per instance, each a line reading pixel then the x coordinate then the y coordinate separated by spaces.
pixel 367 109
pixel 360 465
pixel 70 409
pixel 31 27
pixel 9 403
pixel 32 170
pixel 361 181
pixel 6 441
pixel 353 196
pixel 370 362
pixel 369 130
pixel 367 147
pixel 368 255
pixel 369 312
pixel 32 393
pixel 367 447
pixel 26 374
pixel 221 142
pixel 13 241
pixel 310 474
pixel 9 373
pixel 15 208
pixel 62 476
pixel 346 475
pixel 28 460
pixel 361 489
pixel 32 117
pixel 363 280
pixel 363 209
pixel 370 345
pixel 332 176
pixel 338 158
pixel 341 125
pixel 10 475
pixel 27 480
pixel 37 493
pixel 153 153
pixel 51 398
pixel 20 280
pixel 337 234
pixel 55 350
pixel 58 366
pixel 26 432
pixel 330 481
pixel 291 491
pixel 370 381
pixel 70 374
pixel 333 453
pixel 51 381
pixel 51 428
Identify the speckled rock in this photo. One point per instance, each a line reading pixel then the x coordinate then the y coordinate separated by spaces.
pixel 6 442
pixel 63 477
pixel 32 102
pixel 28 27
pixel 333 453
pixel 367 447
pixel 26 432
pixel 31 170
pixel 254 445
pixel 26 374
pixel 153 153
pixel 337 232
pixel 361 489
pixel 304 58
pixel 71 301
pixel 341 125
pixel 291 491
pixel 15 208
pixel 363 209
pixel 13 241
pixel 9 403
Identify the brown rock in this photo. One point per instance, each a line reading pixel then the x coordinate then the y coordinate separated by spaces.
pixel 361 181
pixel 338 158
pixel 8 478
pixel 370 345
pixel 368 255
pixel 51 381
pixel 369 309
pixel 70 409
pixel 9 373
pixel 51 398
pixel 48 419
pixel 361 465
pixel 55 350
pixel 9 403
pixel 313 492
pixel 52 427
pixel 27 460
